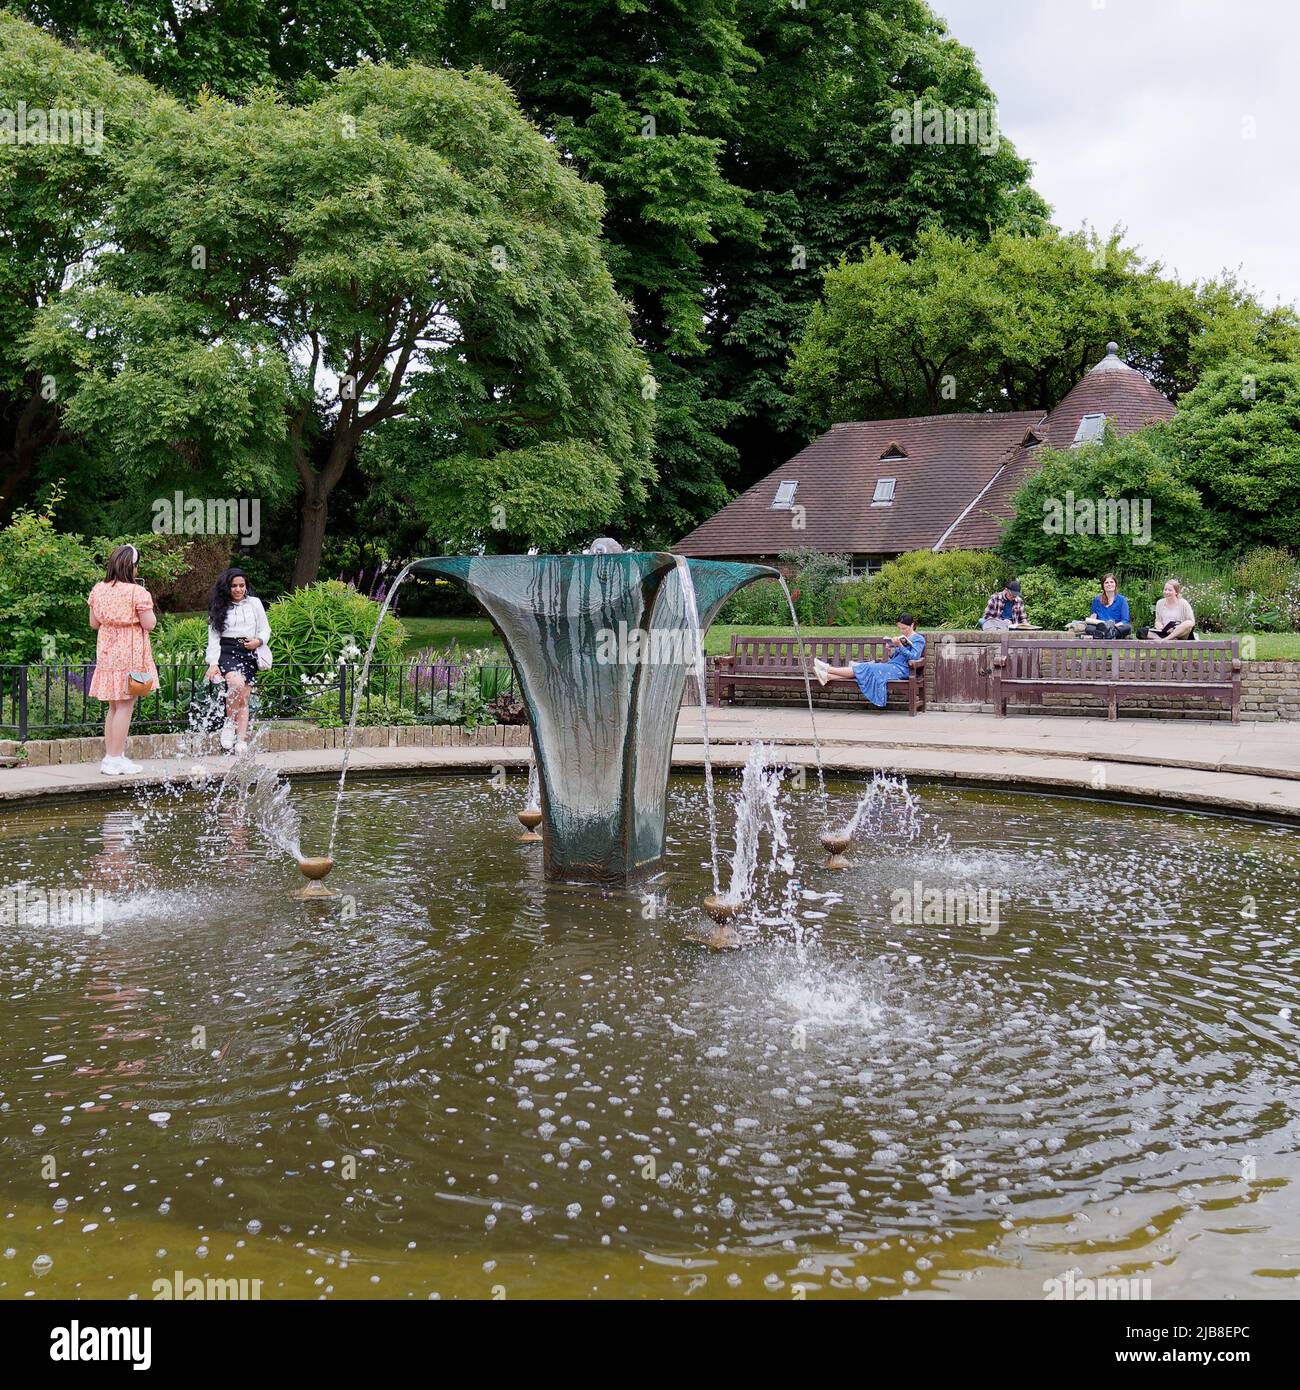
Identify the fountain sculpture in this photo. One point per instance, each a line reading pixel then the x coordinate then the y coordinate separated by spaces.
pixel 601 644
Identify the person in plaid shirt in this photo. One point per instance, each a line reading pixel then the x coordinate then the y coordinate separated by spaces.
pixel 1006 606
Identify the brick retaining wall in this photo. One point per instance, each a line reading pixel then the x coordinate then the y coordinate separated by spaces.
pixel 277 739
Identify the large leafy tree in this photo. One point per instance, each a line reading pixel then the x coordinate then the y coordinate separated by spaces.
pixel 743 145
pixel 55 202
pixel 1064 513
pixel 285 282
pixel 229 47
pixel 641 95
pixel 816 152
pixel 1236 438
pixel 1010 323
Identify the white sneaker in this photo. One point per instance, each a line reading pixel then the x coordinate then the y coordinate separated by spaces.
pixel 128 766
pixel 228 735
pixel 821 670
pixel 112 767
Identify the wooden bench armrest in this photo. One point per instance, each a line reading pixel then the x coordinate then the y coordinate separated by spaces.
pixel 726 659
pixel 1236 663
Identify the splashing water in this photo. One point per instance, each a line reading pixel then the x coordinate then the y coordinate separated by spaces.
pixel 757 808
pixel 264 798
pixel 203 713
pixel 887 810
pixel 533 796
pixel 701 683
pixel 362 678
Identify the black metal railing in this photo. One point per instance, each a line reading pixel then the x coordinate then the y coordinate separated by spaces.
pixel 52 700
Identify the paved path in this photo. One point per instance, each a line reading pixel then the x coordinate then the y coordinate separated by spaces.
pixel 1247 768
pixel 1271 749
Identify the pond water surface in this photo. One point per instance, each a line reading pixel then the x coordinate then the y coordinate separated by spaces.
pixel 458 1080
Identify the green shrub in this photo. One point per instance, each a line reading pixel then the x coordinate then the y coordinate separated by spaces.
pixel 761 604
pixel 1260 592
pixel 45 579
pixel 948 589
pixel 180 639
pixel 317 625
pixel 815 588
pixel 323 709
pixel 1062 519
pixel 1051 602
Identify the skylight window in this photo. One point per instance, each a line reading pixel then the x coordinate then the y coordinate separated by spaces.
pixel 884 494
pixel 1092 429
pixel 785 494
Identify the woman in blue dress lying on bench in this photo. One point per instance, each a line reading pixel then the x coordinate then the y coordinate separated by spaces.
pixel 873 677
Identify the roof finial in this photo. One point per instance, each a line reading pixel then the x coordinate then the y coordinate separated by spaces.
pixel 1112 349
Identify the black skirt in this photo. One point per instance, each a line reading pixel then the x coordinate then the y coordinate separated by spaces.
pixel 236 657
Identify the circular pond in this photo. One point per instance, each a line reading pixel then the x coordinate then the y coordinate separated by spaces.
pixel 458 1080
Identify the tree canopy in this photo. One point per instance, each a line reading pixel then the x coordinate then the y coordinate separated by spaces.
pixel 284 280
pixel 1236 438
pixel 742 147
pixel 1116 504
pixel 1012 323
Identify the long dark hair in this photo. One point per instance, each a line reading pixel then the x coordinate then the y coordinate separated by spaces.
pixel 121 565
pixel 220 601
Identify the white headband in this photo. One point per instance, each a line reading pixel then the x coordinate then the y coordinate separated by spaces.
pixel 135 554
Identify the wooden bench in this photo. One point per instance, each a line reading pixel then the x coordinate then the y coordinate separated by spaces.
pixel 1116 670
pixel 756 662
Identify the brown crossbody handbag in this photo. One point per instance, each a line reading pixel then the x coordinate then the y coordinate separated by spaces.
pixel 138 682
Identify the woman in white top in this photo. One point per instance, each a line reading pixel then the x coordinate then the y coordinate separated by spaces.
pixel 237 628
pixel 1175 620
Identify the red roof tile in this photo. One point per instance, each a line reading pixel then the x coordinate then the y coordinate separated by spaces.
pixel 949 460
pixel 953 489
pixel 1114 389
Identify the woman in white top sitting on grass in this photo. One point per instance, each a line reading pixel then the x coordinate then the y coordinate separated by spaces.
pixel 1175 621
pixel 237 628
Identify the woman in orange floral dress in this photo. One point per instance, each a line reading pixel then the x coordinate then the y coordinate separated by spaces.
pixel 122 612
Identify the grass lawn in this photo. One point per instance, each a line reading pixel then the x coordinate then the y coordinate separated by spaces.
pixel 442 632
pixel 477 632
pixel 1277 646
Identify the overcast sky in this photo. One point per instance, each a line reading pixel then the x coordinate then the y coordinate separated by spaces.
pixel 1133 112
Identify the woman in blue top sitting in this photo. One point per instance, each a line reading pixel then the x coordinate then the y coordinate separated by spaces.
pixel 873 676
pixel 1109 615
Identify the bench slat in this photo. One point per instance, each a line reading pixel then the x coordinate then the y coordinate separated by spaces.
pixel 1116 669
pixel 755 660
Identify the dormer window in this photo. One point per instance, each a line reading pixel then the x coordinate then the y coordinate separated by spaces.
pixel 884 494
pixel 1092 429
pixel 893 453
pixel 785 495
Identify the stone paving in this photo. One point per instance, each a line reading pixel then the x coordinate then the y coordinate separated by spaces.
pixel 1246 768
